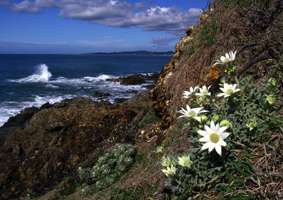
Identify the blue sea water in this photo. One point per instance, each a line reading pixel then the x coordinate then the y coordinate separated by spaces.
pixel 32 80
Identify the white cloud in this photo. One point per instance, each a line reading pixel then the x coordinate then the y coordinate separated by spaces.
pixel 117 13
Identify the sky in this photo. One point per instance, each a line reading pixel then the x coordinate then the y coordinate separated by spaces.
pixel 82 26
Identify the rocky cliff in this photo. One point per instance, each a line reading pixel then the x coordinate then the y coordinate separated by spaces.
pixel 69 150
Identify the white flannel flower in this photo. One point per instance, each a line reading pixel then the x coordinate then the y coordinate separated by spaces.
pixel 203 91
pixel 170 170
pixel 191 91
pixel 229 57
pixel 213 137
pixel 193 113
pixel 228 90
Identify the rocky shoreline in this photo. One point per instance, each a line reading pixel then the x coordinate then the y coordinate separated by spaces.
pixel 138 79
pixel 147 81
pixel 41 146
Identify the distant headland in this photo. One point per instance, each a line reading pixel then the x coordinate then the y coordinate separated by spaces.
pixel 166 53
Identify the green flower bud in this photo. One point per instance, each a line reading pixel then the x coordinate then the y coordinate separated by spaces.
pixel 272 81
pixel 225 122
pixel 203 118
pixel 252 124
pixel 270 99
pixel 215 117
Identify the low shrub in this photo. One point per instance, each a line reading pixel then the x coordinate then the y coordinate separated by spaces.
pixel 108 168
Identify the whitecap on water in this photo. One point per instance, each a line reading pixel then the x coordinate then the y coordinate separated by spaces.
pixel 101 82
pixel 42 74
pixel 12 108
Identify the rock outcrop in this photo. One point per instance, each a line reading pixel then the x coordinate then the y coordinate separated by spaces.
pixel 137 79
pixel 45 145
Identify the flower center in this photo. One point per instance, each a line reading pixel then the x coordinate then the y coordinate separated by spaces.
pixel 230 91
pixel 192 114
pixel 214 137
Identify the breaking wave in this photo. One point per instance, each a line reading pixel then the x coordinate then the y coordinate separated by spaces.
pixel 50 89
pixel 12 108
pixel 41 74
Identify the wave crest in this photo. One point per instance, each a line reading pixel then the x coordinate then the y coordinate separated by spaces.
pixel 42 74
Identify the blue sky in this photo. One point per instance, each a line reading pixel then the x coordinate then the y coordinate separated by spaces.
pixel 79 26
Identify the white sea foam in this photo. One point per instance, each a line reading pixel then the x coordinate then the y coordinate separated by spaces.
pixel 101 83
pixel 83 81
pixel 12 108
pixel 42 74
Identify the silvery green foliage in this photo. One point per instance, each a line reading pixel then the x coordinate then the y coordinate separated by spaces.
pixel 86 190
pixel 108 168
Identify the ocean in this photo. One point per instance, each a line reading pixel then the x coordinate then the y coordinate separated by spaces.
pixel 33 80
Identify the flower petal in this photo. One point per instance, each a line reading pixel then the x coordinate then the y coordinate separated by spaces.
pixel 198 119
pixel 205 146
pixel 204 139
pixel 224 135
pixel 222 143
pixel 210 147
pixel 223 128
pixel 218 149
pixel 202 133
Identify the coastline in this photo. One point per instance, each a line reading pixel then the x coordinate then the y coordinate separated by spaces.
pixel 145 81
